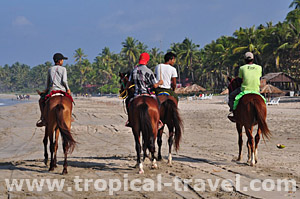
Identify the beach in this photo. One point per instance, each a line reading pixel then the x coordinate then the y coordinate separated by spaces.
pixel 105 154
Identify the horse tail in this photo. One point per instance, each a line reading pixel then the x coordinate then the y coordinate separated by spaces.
pixel 146 127
pixel 261 118
pixel 173 113
pixel 68 140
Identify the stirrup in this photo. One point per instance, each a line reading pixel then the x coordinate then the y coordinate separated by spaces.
pixel 231 117
pixel 40 123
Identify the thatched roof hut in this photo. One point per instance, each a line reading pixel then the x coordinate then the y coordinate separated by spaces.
pixel 190 89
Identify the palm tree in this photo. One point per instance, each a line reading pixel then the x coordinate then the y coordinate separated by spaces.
pixel 295 3
pixel 141 47
pixel 79 55
pixel 130 51
pixel 188 53
pixel 175 48
pixel 156 57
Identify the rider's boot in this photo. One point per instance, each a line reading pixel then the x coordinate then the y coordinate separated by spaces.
pixel 231 117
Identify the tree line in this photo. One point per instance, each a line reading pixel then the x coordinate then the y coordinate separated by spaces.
pixel 275 47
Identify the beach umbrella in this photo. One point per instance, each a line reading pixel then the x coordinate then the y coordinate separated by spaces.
pixel 225 92
pixel 179 90
pixel 194 89
pixel 269 89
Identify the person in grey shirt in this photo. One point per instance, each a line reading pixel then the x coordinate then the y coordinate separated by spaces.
pixel 56 80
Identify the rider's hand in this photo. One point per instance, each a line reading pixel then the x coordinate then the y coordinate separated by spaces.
pixel 160 82
pixel 69 92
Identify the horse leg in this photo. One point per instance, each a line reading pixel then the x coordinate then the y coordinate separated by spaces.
pixel 250 144
pixel 239 128
pixel 45 141
pixel 144 150
pixel 152 148
pixel 138 149
pixel 56 146
pixel 65 171
pixel 257 138
pixel 159 143
pixel 51 150
pixel 170 142
pixel 249 152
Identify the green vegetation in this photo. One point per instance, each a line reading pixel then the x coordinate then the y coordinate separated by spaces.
pixel 276 48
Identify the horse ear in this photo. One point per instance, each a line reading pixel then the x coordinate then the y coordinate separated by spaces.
pixel 121 74
pixel 229 78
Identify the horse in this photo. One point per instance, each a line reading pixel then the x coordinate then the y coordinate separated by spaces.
pixel 144 112
pixel 251 110
pixel 169 115
pixel 58 118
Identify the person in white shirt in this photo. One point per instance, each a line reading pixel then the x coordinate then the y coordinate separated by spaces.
pixel 168 74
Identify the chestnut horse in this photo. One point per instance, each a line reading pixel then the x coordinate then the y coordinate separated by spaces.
pixel 169 115
pixel 58 119
pixel 144 117
pixel 251 110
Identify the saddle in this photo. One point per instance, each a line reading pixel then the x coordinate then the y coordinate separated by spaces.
pixel 153 96
pixel 58 93
pixel 241 94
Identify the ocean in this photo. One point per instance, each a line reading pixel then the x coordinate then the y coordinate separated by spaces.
pixel 10 102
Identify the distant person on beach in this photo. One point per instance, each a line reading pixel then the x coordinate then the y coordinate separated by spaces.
pixel 56 81
pixel 168 74
pixel 250 75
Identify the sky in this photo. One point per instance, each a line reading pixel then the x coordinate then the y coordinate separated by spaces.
pixel 31 31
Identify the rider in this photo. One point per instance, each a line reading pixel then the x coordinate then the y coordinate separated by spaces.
pixel 56 80
pixel 168 74
pixel 250 74
pixel 143 78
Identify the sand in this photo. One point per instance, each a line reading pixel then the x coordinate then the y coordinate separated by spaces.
pixel 106 151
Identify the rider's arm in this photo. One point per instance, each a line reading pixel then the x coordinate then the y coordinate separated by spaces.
pixel 173 83
pixel 160 82
pixel 65 81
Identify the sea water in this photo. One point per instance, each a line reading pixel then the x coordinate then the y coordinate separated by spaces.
pixel 10 102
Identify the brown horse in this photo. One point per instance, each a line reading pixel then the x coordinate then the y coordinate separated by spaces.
pixel 251 110
pixel 144 117
pixel 58 119
pixel 169 115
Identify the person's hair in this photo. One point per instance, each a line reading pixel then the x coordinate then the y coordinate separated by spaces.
pixel 248 60
pixel 169 56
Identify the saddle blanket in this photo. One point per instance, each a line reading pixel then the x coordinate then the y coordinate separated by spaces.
pixel 241 94
pixel 58 92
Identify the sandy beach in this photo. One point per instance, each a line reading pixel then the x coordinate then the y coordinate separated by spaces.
pixel 106 150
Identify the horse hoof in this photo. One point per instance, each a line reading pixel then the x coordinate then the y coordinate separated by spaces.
pixel 236 160
pixel 51 169
pixel 159 158
pixel 46 162
pixel 64 172
pixel 169 164
pixel 154 166
pixel 141 171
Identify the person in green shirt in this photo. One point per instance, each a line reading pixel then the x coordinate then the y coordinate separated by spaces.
pixel 250 74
